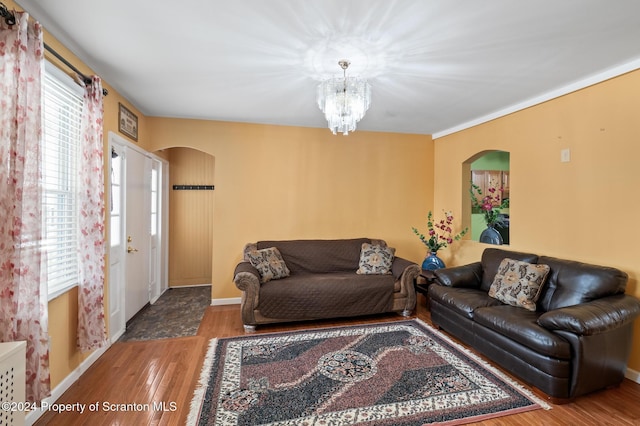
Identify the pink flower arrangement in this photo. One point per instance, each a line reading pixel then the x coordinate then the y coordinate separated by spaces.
pixel 489 204
pixel 440 233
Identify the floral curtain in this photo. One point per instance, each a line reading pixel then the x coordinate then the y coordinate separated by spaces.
pixel 91 325
pixel 23 289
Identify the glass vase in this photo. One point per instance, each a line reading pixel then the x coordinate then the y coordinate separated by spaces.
pixel 491 236
pixel 432 262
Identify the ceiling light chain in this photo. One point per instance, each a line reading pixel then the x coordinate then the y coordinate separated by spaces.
pixel 344 101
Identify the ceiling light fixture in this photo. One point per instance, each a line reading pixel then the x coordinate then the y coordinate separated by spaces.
pixel 344 101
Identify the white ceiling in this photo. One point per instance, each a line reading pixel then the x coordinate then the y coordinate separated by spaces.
pixel 433 64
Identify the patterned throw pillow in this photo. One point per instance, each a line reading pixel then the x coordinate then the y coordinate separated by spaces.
pixel 375 259
pixel 269 263
pixel 519 283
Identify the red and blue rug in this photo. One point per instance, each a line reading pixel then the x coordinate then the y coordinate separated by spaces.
pixel 396 373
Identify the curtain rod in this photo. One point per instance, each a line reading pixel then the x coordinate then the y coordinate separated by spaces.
pixel 85 79
pixel 8 16
pixel 10 19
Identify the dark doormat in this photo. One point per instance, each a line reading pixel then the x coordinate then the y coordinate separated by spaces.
pixel 177 313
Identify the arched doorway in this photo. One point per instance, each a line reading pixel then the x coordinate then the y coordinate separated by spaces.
pixel 191 203
pixel 487 172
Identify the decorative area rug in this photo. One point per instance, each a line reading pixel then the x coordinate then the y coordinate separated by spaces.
pixel 395 373
pixel 176 313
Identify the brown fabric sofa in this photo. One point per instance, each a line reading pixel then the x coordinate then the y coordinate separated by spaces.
pixel 577 340
pixel 323 284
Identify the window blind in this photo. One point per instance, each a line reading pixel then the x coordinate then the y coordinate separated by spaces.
pixel 62 113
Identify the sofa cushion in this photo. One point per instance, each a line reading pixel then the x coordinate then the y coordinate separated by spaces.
pixel 521 326
pixel 331 295
pixel 375 259
pixel 464 301
pixel 269 264
pixel 491 259
pixel 571 283
pixel 519 283
pixel 319 256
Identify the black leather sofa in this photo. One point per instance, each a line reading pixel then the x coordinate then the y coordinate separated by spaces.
pixel 578 339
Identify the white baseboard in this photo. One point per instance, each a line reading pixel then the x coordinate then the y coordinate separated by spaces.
pixel 154 300
pixel 57 392
pixel 227 301
pixel 633 375
pixel 116 336
pixel 189 285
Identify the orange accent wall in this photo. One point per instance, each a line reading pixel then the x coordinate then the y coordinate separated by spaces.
pixel 279 182
pixel 586 209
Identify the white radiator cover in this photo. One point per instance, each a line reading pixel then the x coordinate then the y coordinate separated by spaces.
pixel 12 383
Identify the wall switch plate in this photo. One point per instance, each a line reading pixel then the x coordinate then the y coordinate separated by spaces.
pixel 565 155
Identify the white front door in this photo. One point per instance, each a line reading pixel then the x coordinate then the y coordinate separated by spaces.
pixel 137 231
pixel 137 218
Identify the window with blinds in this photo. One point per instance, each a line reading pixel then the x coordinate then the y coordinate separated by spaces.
pixel 62 112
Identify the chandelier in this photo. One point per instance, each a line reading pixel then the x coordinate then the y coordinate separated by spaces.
pixel 344 101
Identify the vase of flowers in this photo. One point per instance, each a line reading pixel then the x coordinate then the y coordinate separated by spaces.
pixel 439 235
pixel 489 204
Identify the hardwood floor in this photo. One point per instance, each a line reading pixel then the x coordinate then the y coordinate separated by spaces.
pixel 166 371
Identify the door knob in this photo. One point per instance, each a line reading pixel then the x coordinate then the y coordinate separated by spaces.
pixel 131 249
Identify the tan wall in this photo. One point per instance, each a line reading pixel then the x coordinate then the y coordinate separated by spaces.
pixel 277 182
pixel 584 210
pixel 190 217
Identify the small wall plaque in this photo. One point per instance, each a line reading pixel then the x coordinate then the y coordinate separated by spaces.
pixel 127 122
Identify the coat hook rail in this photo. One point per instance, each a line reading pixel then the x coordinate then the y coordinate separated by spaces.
pixel 193 187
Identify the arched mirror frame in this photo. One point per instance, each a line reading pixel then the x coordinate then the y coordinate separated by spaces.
pixel 466 196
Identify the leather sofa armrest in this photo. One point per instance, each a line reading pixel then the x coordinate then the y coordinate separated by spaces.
pixel 468 276
pixel 595 317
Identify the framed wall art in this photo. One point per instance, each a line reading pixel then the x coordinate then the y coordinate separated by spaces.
pixel 127 122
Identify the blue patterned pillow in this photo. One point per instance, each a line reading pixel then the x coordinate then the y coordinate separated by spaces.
pixel 269 263
pixel 375 259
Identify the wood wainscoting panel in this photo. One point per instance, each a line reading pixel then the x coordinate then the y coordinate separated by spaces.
pixel 190 217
